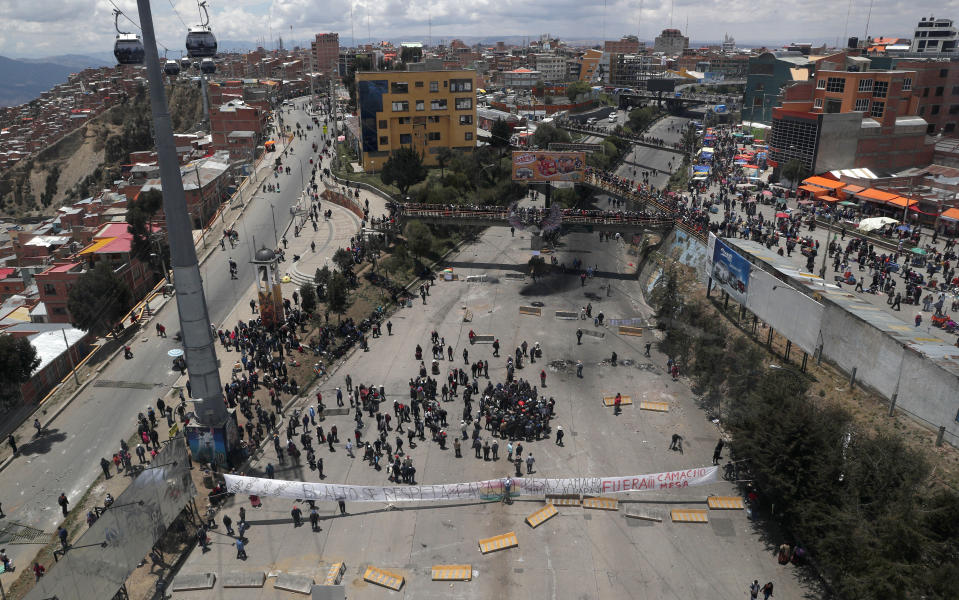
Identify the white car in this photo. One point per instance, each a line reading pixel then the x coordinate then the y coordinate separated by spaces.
pixel 612 117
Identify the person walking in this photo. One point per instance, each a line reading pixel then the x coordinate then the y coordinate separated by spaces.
pixel 270 470
pixel 342 504
pixel 529 463
pixel 559 435
pixel 314 519
pixel 297 515
pixel 228 524
pixel 754 590
pixel 718 452
pixel 105 465
pixel 38 570
pixel 64 503
pixel 767 590
pixel 579 337
pixel 240 549
pixel 13 443
pixel 62 534
pixel 456 447
pixel 579 369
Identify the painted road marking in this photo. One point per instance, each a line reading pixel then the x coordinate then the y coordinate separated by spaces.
pixel 452 572
pixel 498 542
pixel 689 515
pixel 541 516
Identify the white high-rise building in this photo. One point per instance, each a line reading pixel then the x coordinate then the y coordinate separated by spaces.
pixel 934 36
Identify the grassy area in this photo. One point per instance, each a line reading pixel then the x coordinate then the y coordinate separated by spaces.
pixel 759 133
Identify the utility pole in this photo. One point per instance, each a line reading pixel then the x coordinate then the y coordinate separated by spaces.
pixel 76 379
pixel 198 344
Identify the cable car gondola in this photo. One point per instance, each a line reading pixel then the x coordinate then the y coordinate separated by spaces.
pixel 171 68
pixel 128 49
pixel 207 66
pixel 200 41
pixel 185 63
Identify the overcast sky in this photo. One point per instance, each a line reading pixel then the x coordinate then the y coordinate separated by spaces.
pixel 33 28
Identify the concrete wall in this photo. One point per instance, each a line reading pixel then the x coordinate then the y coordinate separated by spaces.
pixel 838 139
pixel 851 343
pixel 926 389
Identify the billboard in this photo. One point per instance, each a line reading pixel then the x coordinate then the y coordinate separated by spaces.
pixel 730 271
pixel 660 85
pixel 548 166
pixel 787 309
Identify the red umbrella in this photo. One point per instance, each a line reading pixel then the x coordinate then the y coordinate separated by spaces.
pixel 782 215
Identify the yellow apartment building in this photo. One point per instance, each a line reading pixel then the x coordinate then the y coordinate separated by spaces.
pixel 426 110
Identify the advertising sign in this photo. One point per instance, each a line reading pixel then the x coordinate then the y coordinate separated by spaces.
pixel 730 271
pixel 548 166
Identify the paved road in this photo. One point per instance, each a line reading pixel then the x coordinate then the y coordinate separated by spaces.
pixel 67 458
pixel 578 554
pixel 644 158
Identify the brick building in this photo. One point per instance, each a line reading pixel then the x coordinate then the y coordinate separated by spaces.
pixel 236 117
pixel 326 53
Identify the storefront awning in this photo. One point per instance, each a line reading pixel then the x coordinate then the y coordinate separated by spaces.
pixel 827 198
pixel 875 195
pixel 951 214
pixel 903 202
pixel 829 184
pixel 812 189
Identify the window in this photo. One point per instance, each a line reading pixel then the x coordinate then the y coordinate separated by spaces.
pixel 949 128
pixel 49 289
pixel 757 102
pixel 406 138
pixel 461 85
pixel 934 110
pixel 818 103
pixel 382 124
pixel 939 90
pixel 907 84
pixel 384 141
pixel 420 105
pixel 433 136
pixel 943 72
pixel 954 109
pixel 401 106
pixel 468 136
pixel 438 104
pixel 925 92
pixel 821 84
pixel 881 89
pixel 434 86
pixel 404 120
pixel 955 90
pixel 865 85
pixel 922 110
pixel 862 105
pixel 760 87
pixel 466 119
pixel 464 104
pixel 399 87
pixel 418 84
pixel 878 108
pixel 59 310
pixel 836 84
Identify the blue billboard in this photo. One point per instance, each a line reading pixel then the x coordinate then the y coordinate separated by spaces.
pixel 730 271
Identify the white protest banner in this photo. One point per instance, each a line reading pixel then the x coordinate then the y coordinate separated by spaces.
pixel 477 490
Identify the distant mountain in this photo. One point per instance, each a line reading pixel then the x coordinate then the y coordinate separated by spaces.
pixel 24 81
pixel 77 62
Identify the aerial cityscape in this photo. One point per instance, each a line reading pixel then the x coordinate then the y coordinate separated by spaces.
pixel 600 301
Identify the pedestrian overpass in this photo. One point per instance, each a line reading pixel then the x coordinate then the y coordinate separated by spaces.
pixel 585 221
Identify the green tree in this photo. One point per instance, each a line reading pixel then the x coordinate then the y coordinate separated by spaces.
pixel 500 134
pixel 343 259
pixel 308 297
pixel 641 118
pixel 50 188
pixel 99 299
pixel 18 361
pixel 419 238
pixel 404 168
pixel 794 170
pixel 576 89
pixel 539 89
pixel 140 215
pixel 546 134
pixel 443 156
pixel 337 294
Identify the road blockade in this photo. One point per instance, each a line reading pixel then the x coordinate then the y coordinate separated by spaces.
pixel 498 542
pixel 452 572
pixel 725 503
pixel 335 574
pixel 654 406
pixel 384 578
pixel 541 516
pixel 689 515
pixel 611 400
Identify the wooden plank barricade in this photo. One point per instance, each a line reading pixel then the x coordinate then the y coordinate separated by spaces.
pixel 689 515
pixel 335 574
pixel 383 578
pixel 541 516
pixel 628 330
pixel 654 406
pixel 452 572
pixel 725 503
pixel 498 542
pixel 600 503
pixel 533 311
pixel 611 400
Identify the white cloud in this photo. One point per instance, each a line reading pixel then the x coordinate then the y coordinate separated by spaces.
pixel 45 27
